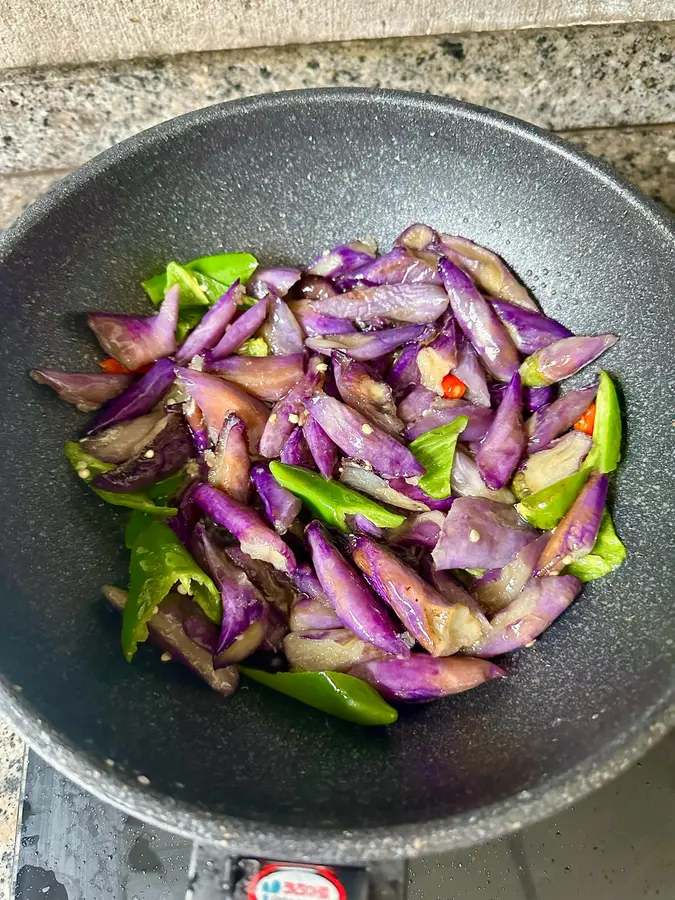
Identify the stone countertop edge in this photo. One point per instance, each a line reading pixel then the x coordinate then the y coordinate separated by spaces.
pixel 566 78
pixel 13 755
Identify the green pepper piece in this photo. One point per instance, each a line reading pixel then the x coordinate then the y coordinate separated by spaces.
pixel 223 268
pixel 158 561
pixel 607 554
pixel 545 508
pixel 138 522
pixel 435 450
pixel 187 319
pixel 169 487
pixel 606 451
pixel 332 692
pixel 192 288
pixel 87 466
pixel 331 501
pixel 254 347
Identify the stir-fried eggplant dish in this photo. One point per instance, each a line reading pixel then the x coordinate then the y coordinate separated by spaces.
pixel 357 483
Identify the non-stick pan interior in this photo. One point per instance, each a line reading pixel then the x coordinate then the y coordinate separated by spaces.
pixel 286 177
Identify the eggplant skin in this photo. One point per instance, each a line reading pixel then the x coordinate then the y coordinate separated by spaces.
pixel 357 607
pixel 539 604
pixel 441 627
pixel 422 678
pixel 86 392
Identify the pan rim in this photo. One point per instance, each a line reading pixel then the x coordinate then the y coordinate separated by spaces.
pixel 241 836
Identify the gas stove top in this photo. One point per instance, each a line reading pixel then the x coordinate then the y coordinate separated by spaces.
pixel 617 844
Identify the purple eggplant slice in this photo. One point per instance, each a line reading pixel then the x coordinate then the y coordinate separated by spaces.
pixel 356 437
pixel 469 370
pixel 486 268
pixel 530 330
pixel 404 373
pixel 554 419
pixel 310 614
pixel 540 602
pixel 421 678
pixel 443 412
pixel 229 464
pixel 245 613
pixel 340 260
pixel 281 507
pixel 281 329
pixel 167 453
pixel 327 650
pixel 504 444
pixel 212 327
pixel 266 377
pixel 466 480
pixel 416 237
pixel 255 538
pixel 418 304
pixel 480 534
pixel 323 450
pixel 562 458
pixel 441 627
pixel 422 530
pixel 166 630
pixel 136 341
pixel 138 399
pixel 479 323
pixel 239 331
pixel 86 392
pixel 363 479
pixel 498 587
pixel 216 398
pixel 354 603
pixel 367 346
pixel 290 411
pixel 121 442
pixel 563 358
pixel 360 389
pixel 399 266
pixel 575 534
pixel 277 280
pixel 296 450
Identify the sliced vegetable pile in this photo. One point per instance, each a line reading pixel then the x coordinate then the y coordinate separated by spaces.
pixel 359 472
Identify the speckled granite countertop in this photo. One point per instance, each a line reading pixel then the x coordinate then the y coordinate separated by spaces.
pixel 610 89
pixel 579 81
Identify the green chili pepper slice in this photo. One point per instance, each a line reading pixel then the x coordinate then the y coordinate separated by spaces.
pixel 606 451
pixel 608 553
pixel 435 450
pixel 332 692
pixel 158 561
pixel 545 508
pixel 87 466
pixel 222 268
pixel 331 501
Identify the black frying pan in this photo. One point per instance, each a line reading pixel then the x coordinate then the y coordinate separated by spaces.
pixel 285 176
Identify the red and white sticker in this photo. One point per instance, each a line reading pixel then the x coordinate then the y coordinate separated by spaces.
pixel 290 882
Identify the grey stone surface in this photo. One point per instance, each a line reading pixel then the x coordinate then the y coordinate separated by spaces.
pixel 582 77
pixel 88 30
pixel 12 752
